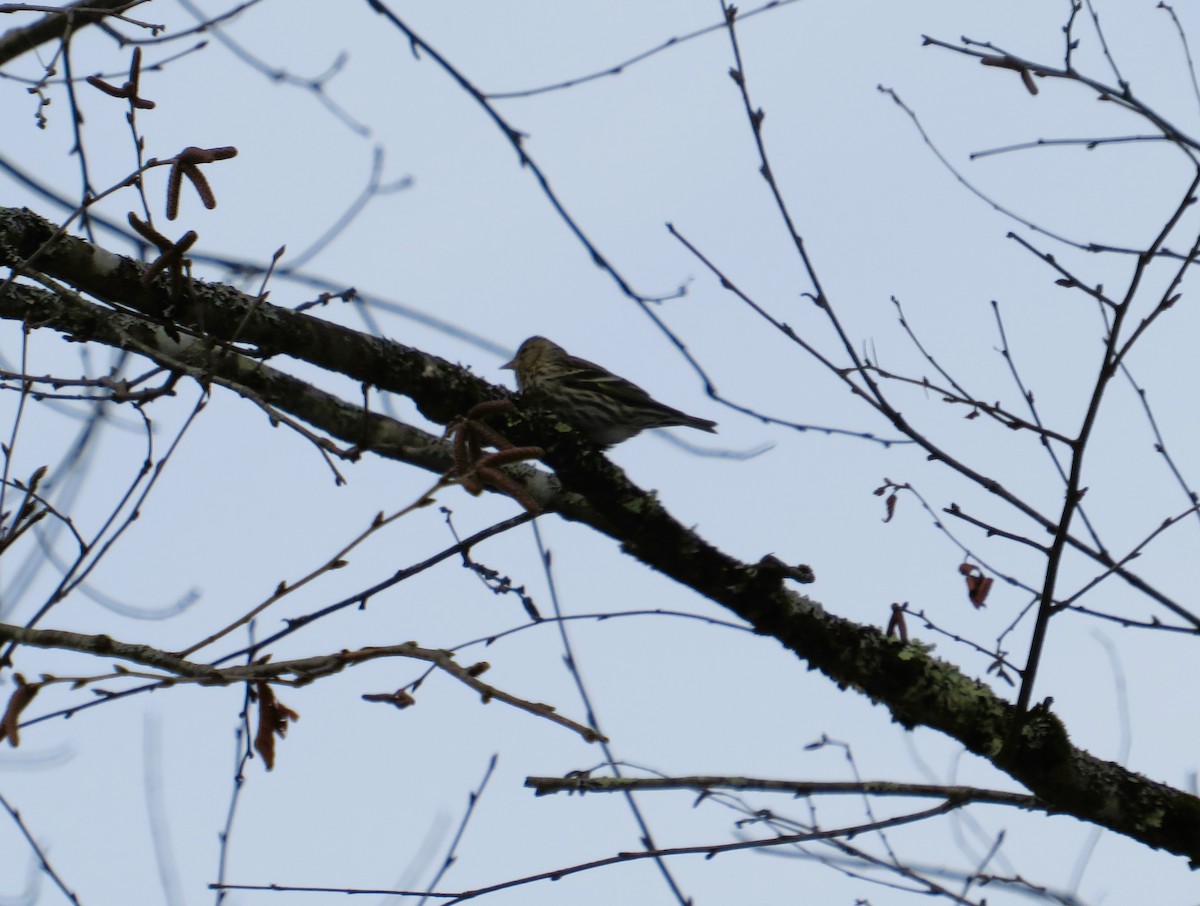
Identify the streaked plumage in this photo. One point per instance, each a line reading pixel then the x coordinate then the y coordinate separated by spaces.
pixel 607 408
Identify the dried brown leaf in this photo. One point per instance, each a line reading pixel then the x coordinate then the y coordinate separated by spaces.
pixel 273 717
pixel 21 697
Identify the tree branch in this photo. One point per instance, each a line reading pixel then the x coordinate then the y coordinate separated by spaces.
pixel 18 41
pixel 918 689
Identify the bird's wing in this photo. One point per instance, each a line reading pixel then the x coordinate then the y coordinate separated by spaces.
pixel 590 376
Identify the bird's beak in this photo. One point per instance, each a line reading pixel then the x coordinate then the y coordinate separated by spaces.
pixel 510 365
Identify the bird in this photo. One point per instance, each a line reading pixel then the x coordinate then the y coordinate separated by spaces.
pixel 608 409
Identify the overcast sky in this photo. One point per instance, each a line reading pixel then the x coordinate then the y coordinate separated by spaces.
pixel 367 796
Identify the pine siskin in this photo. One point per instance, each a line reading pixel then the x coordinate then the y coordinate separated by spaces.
pixel 607 408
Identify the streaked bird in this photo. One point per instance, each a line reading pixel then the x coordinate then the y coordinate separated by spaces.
pixel 607 408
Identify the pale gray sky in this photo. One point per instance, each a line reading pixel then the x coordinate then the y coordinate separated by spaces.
pixel 361 791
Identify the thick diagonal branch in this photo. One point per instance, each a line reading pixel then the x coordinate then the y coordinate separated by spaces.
pixel 917 689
